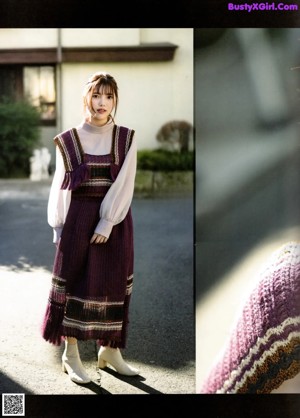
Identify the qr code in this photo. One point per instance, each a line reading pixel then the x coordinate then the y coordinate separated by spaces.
pixel 13 404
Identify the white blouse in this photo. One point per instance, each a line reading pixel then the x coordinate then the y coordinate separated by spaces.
pixel 116 203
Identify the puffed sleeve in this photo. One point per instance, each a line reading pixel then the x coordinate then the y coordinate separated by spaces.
pixel 59 200
pixel 118 199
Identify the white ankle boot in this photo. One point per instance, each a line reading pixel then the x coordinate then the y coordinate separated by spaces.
pixel 71 364
pixel 114 357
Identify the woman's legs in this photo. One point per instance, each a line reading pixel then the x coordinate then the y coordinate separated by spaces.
pixel 114 357
pixel 71 362
pixel 71 340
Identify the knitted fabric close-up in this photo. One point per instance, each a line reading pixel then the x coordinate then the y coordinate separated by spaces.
pixel 263 350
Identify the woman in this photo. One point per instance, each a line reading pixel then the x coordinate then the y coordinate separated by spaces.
pixel 89 209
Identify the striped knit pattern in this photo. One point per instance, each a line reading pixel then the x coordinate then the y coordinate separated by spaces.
pixel 92 284
pixel 129 285
pixel 99 179
pixel 75 161
pixel 118 155
pixel 70 148
pixel 122 139
pixel 89 315
pixel 264 348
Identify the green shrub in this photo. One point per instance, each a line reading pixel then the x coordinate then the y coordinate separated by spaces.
pixel 19 135
pixel 163 160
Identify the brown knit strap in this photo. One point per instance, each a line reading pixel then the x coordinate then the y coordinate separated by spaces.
pixel 122 139
pixel 70 148
pixel 73 156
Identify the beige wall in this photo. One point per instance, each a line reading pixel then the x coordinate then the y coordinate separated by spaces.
pixel 48 38
pixel 28 38
pixel 99 37
pixel 151 93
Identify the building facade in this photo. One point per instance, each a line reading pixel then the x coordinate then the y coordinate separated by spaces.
pixel 153 68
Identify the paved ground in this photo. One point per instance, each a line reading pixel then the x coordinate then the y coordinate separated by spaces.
pixel 161 334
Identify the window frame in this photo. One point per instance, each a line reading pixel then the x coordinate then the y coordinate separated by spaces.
pixel 44 122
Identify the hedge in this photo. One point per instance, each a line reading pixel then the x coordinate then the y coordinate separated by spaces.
pixel 19 134
pixel 163 160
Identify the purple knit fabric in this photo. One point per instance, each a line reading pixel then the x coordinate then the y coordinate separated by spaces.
pixel 264 347
pixel 92 283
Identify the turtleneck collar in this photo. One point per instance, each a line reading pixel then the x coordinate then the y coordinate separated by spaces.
pixel 93 129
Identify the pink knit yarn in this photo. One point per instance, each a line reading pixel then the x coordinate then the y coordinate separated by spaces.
pixel 264 348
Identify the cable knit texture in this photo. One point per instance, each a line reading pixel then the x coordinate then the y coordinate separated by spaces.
pixel 264 347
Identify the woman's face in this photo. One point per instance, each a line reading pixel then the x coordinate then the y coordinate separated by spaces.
pixel 102 106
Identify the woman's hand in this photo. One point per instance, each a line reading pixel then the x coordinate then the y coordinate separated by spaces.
pixel 98 239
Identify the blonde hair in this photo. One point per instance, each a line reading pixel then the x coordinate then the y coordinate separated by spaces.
pixel 100 81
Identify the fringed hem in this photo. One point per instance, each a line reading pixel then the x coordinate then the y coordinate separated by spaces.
pixel 52 324
pixel 114 339
pixel 112 344
pixel 74 178
pixel 115 343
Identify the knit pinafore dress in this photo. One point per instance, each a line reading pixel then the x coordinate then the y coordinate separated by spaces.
pixel 91 283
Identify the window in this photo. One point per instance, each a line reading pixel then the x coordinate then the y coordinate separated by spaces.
pixel 35 83
pixel 39 89
pixel 11 85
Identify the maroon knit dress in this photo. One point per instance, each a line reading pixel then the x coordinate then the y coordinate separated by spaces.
pixel 91 284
